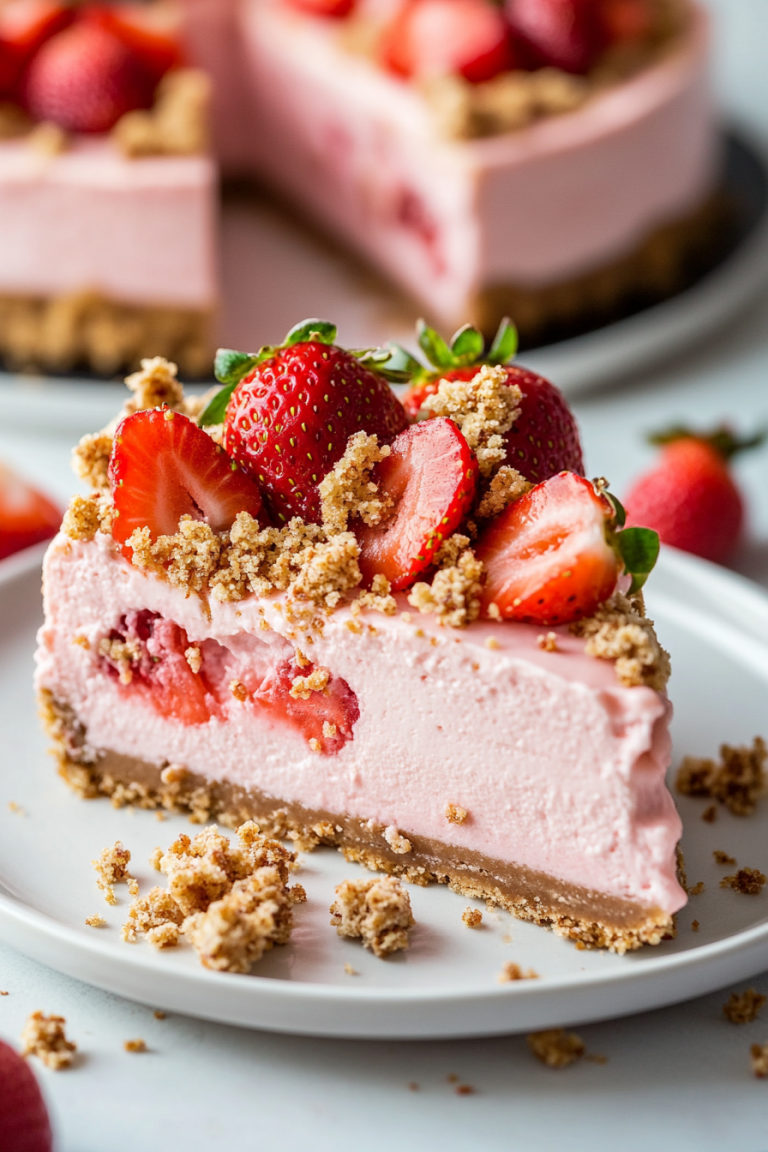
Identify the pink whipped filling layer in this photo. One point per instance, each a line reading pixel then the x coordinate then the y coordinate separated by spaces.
pixel 557 764
pixel 139 231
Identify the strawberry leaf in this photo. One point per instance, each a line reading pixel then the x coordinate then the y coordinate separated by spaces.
pixel 392 362
pixel 467 345
pixel 321 330
pixel 619 511
pixel 639 549
pixel 434 347
pixel 504 345
pixel 230 366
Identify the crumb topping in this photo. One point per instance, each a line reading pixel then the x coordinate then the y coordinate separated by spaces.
pixel 484 408
pixel 737 780
pixel 90 460
pixel 112 868
pixel 748 881
pixel 454 594
pixel 379 599
pixel 512 971
pixel 194 658
pixel 455 814
pixel 507 486
pixel 555 1047
pixel 547 642
pixel 177 125
pixel 744 1007
pixel 399 844
pixel 472 917
pixel 620 633
pixel 759 1060
pixel 85 516
pixel 187 560
pixel 347 490
pixel 378 912
pixel 153 385
pixel 44 1037
pixel 302 687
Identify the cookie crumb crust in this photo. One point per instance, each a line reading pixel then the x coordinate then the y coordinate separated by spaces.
pixel 44 1036
pixel 378 912
pixel 555 1047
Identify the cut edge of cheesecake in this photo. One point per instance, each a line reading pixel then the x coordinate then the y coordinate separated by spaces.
pixel 593 919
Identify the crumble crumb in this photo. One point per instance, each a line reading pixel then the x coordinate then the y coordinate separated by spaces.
pixel 492 643
pixel 472 917
pixel 759 1059
pixel 122 654
pixel 377 911
pixel 505 488
pixel 87 515
pixel 512 971
pixel 159 1014
pixel 555 1047
pixel 154 385
pixel 695 925
pixel 494 612
pixel 748 881
pixel 44 1037
pixel 484 408
pixel 709 815
pixel 329 730
pixel 194 658
pixel 347 490
pixel 82 641
pixel 547 642
pixel 399 844
pixel 455 814
pixel 745 1007
pixel 16 808
pixel 302 660
pixel 315 745
pixel 238 690
pixel 722 857
pixel 302 687
pixel 137 1045
pixel 697 889
pixel 454 594
pixel 350 971
pixel 736 781
pixel 112 868
pixel 186 560
pixel 379 599
pixel 464 1090
pixel 90 460
pixel 619 632
pixel 413 1086
pixel 95 921
pixel 177 125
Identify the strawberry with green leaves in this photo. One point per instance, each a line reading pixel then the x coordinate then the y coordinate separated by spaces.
pixel 544 439
pixel 290 409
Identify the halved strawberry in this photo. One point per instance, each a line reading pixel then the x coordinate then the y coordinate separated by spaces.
pixel 466 38
pixel 554 556
pixel 164 467
pixel 24 1123
pixel 26 516
pixel 25 25
pixel 335 706
pixel 431 476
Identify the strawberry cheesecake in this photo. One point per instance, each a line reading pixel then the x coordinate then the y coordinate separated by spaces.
pixel 108 196
pixel 411 631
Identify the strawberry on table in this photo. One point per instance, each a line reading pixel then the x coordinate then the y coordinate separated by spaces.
pixel 24 1123
pixel 466 38
pixel 289 411
pixel 430 476
pixel 556 554
pixel 26 516
pixel 690 496
pixel 566 34
pixel 164 467
pixel 544 439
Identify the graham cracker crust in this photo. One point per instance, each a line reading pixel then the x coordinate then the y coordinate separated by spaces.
pixel 88 331
pixel 591 919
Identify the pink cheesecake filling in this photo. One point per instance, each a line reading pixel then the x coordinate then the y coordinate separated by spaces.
pixel 557 765
pixel 139 231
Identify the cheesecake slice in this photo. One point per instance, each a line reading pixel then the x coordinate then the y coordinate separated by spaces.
pixel 248 671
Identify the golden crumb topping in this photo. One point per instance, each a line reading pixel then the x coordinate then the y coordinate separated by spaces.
pixel 44 1037
pixel 555 1047
pixel 484 408
pixel 187 560
pixel 454 594
pixel 112 868
pixel 96 921
pixel 378 912
pixel 347 490
pixel 455 814
pixel 379 599
pixel 154 385
pixel 507 486
pixel 618 632
pixel 90 460
pixel 472 917
pixel 737 780
pixel 85 516
pixel 302 687
pixel 547 642
pixel 744 1007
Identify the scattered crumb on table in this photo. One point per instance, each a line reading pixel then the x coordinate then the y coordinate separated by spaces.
pixel 96 921
pixel 137 1045
pixel 695 925
pixel 748 881
pixel 744 1007
pixel 723 857
pixel 512 971
pixel 464 1090
pixel 709 815
pixel 555 1047
pixel 759 1057
pixel 159 1014
pixel 697 889
pixel 44 1036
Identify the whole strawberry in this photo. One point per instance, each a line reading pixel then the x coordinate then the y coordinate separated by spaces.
pixel 544 439
pixel 690 496
pixel 85 78
pixel 24 1124
pixel 289 411
pixel 566 34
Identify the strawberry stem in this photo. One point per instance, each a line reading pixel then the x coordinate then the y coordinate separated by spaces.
pixel 505 342
pixel 723 439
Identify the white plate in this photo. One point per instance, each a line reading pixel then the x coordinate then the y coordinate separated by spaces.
pixel 716 626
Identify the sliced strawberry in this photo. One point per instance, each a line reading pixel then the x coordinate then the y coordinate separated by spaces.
pixel 547 558
pixel 431 476
pixel 24 1123
pixel 25 25
pixel 26 516
pixel 85 78
pixel 335 9
pixel 336 706
pixel 466 38
pixel 564 34
pixel 150 31
pixel 164 467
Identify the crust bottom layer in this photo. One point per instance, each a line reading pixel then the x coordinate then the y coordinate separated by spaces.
pixel 591 919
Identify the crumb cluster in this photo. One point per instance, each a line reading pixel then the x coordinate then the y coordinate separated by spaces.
pixel 376 911
pixel 748 881
pixel 620 633
pixel 455 814
pixel 743 1008
pixel 454 594
pixel 555 1047
pixel 484 408
pixel 759 1059
pixel 472 917
pixel 399 844
pixel 112 868
pixel 85 516
pixel 44 1036
pixel 347 490
pixel 506 486
pixel 229 898
pixel 177 125
pixel 512 972
pixel 137 1045
pixel 736 780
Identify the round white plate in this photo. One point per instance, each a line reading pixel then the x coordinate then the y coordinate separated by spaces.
pixel 716 626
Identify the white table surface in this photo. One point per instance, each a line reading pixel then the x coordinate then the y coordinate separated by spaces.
pixel 677 1078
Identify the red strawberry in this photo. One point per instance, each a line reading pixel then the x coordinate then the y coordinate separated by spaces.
pixel 24 26
pixel 162 467
pixel 690 497
pixel 336 9
pixel 466 38
pixel 626 21
pixel 148 30
pixel 289 418
pixel 545 437
pixel 431 475
pixel 85 78
pixel 26 516
pixel 547 557
pixel 563 34
pixel 24 1123
pixel 336 705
